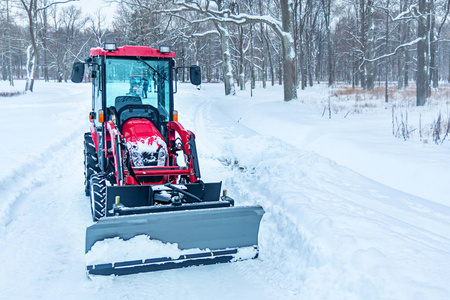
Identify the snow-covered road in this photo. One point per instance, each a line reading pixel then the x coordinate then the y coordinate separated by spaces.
pixel 328 231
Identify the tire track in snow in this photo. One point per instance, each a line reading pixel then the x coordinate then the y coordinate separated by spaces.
pixel 405 211
pixel 36 171
pixel 44 237
pixel 51 122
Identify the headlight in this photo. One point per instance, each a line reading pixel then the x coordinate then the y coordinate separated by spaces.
pixel 161 156
pixel 110 47
pixel 136 157
pixel 164 49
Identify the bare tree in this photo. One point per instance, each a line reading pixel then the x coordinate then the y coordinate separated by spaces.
pixel 32 9
pixel 326 6
pixel 97 25
pixel 296 42
pixel 9 53
pixel 222 16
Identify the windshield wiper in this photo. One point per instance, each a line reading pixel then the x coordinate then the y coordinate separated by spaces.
pixel 153 69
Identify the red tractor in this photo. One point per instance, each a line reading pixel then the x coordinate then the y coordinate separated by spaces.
pixel 142 171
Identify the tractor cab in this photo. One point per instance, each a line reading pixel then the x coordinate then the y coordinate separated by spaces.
pixel 132 75
pixel 139 79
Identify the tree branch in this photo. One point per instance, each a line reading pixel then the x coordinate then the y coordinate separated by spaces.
pixel 391 54
pixel 53 3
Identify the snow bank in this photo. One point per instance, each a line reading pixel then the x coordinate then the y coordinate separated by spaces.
pixel 368 241
pixel 361 141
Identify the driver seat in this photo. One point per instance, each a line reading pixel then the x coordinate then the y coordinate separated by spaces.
pixel 121 101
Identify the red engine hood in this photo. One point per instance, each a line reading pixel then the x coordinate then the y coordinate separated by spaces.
pixel 146 145
pixel 136 130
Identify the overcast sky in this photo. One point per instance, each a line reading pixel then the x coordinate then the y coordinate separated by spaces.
pixel 90 6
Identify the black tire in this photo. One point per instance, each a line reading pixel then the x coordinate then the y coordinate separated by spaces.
pixel 98 196
pixel 90 161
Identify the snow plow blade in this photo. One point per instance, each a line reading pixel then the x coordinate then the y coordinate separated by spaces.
pixel 203 237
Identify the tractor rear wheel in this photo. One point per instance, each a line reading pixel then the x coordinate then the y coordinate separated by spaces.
pixel 90 161
pixel 98 196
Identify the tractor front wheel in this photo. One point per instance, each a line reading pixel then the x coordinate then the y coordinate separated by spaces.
pixel 98 196
pixel 90 161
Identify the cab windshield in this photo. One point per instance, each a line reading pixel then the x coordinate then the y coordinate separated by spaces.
pixel 135 77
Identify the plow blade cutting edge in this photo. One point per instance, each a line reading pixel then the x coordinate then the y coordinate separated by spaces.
pixel 203 236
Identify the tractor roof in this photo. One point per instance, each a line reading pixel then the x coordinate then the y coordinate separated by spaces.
pixel 132 51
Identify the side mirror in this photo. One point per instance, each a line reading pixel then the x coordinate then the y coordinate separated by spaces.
pixel 77 72
pixel 195 74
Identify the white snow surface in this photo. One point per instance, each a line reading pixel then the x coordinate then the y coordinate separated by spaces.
pixel 351 211
pixel 142 247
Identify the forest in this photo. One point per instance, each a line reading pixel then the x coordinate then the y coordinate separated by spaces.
pixel 294 43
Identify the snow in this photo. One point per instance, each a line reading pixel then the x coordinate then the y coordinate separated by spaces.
pixel 154 146
pixel 142 247
pixel 138 248
pixel 212 5
pixel 351 211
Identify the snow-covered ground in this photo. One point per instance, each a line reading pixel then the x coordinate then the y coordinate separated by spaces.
pixel 351 211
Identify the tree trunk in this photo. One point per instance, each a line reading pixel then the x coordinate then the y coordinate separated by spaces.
pixel 401 53
pixel 326 4
pixel 262 51
pixel 362 37
pixel 252 61
pixel 309 64
pixel 428 48
pixel 10 67
pixel 3 60
pixel 433 72
pixel 289 70
pixel 406 72
pixel 386 63
pixel 354 71
pixel 31 63
pixel 227 69
pixel 302 63
pixel 272 71
pixel 280 68
pixel 319 61
pixel 421 81
pixel 32 49
pixel 263 66
pixel 44 42
pixel 241 76
pixel 370 69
